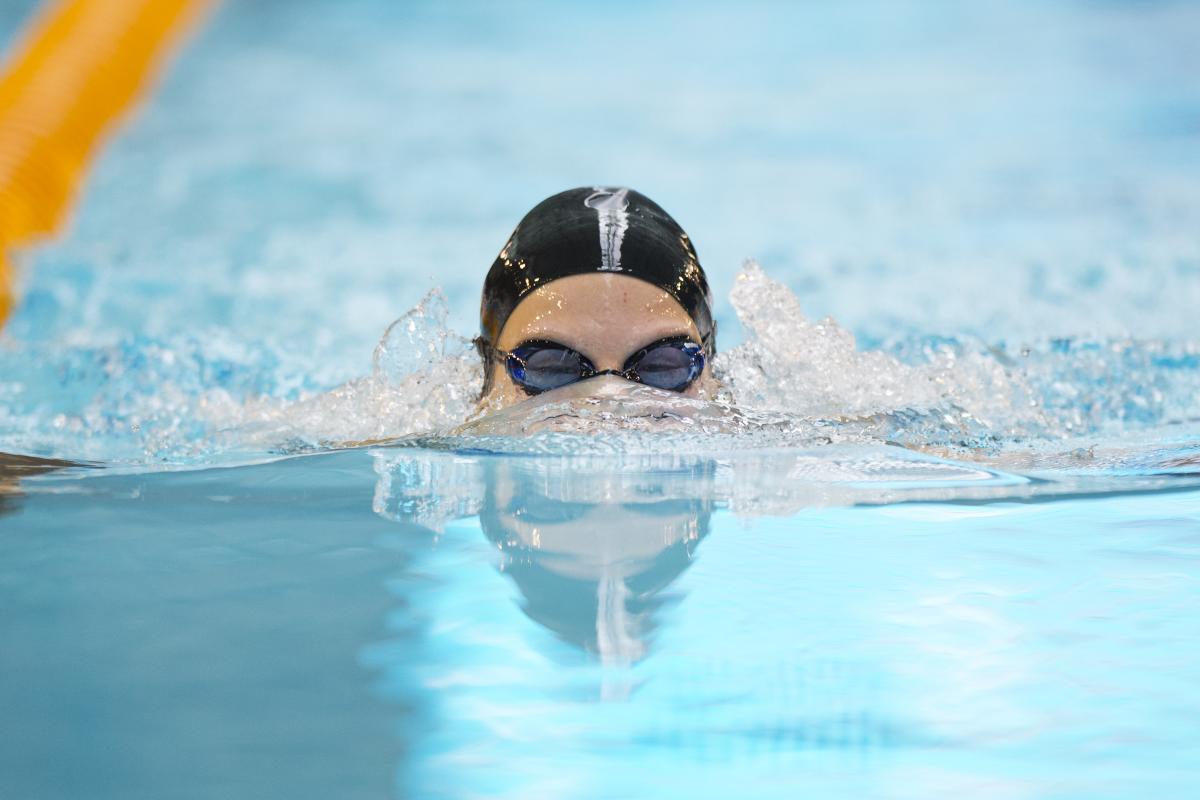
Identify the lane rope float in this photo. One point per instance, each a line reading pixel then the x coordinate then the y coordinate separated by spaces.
pixel 68 79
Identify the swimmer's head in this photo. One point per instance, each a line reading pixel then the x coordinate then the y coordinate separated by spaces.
pixel 595 281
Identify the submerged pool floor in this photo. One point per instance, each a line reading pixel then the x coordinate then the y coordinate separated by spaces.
pixel 288 629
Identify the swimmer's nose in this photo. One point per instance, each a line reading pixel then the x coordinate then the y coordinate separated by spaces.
pixel 603 384
pixel 615 372
pixel 609 382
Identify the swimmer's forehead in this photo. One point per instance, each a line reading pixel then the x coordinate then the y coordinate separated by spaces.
pixel 595 230
pixel 585 311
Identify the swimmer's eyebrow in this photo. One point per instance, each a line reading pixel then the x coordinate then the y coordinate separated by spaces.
pixel 539 335
pixel 572 339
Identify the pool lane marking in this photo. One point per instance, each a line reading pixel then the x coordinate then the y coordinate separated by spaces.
pixel 67 79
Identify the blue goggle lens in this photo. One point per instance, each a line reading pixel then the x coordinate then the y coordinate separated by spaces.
pixel 541 366
pixel 667 365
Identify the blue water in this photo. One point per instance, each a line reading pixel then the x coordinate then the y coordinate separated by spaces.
pixel 947 545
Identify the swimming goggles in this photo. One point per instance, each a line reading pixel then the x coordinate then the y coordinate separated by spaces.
pixel 538 366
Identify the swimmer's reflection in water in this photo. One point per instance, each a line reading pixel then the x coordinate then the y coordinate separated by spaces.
pixel 593 572
pixel 593 551
pixel 596 284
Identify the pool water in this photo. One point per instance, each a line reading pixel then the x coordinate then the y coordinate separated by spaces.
pixel 940 535
pixel 354 623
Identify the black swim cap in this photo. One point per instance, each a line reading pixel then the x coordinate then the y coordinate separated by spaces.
pixel 596 229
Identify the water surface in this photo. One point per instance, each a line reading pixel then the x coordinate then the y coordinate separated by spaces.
pixel 937 536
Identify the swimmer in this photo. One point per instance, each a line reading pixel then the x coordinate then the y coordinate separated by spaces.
pixel 596 285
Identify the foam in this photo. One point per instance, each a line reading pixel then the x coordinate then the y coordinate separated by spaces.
pixel 792 382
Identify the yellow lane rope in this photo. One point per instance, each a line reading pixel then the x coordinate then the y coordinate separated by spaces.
pixel 79 65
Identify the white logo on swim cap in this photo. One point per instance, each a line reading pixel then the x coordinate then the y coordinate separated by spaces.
pixel 610 205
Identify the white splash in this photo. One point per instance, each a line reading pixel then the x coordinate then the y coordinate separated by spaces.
pixel 816 369
pixel 425 378
pixel 792 382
